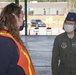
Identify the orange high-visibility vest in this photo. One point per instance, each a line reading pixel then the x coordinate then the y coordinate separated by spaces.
pixel 24 59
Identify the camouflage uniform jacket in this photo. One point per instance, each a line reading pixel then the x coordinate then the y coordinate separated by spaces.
pixel 64 55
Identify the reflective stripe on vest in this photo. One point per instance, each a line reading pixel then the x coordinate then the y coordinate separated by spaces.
pixel 24 59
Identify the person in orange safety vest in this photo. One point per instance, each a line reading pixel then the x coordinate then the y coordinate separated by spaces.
pixel 15 59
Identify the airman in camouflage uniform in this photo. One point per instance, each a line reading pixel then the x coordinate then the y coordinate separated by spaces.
pixel 64 49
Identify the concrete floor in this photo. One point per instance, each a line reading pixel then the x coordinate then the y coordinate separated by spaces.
pixel 40 50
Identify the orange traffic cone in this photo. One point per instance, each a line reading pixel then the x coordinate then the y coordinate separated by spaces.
pixel 29 31
pixel 58 30
pixel 36 33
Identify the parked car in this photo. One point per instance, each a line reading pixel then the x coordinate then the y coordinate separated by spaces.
pixel 37 23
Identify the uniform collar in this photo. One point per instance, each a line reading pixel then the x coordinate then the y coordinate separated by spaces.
pixel 68 37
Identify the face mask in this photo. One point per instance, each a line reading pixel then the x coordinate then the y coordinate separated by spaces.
pixel 20 22
pixel 69 28
pixel 22 26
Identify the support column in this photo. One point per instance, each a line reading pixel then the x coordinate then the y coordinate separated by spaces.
pixel 17 1
pixel 25 17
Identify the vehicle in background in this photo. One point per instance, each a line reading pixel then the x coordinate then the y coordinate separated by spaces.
pixel 37 23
